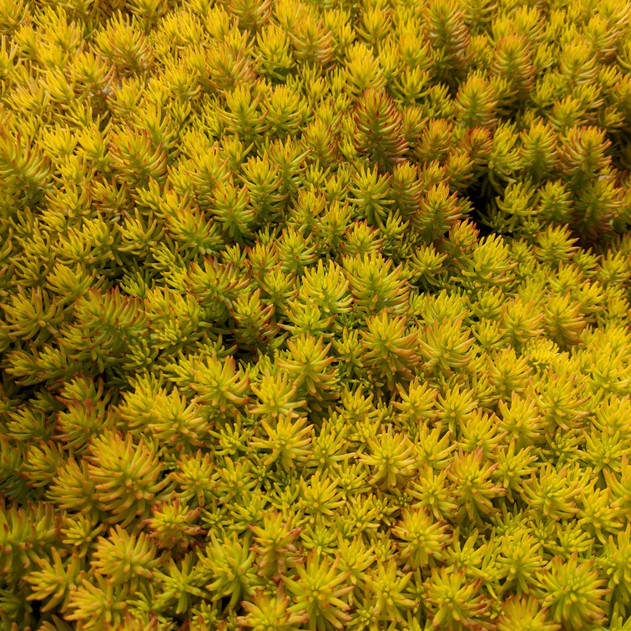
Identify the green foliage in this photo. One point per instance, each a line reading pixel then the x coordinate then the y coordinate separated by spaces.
pixel 315 315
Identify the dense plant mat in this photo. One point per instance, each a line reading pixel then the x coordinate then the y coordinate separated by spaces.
pixel 315 315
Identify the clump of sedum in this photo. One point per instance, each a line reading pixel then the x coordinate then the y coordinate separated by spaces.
pixel 315 315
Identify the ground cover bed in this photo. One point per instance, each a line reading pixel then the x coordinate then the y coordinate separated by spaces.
pixel 315 315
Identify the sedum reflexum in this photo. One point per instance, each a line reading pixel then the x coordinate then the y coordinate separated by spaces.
pixel 315 315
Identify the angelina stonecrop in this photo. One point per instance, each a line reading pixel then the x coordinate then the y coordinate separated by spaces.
pixel 314 314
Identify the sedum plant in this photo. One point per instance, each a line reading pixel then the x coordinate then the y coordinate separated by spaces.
pixel 314 314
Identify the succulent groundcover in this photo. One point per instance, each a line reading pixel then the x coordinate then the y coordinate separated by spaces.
pixel 315 314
